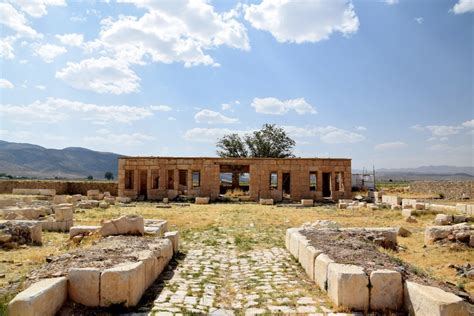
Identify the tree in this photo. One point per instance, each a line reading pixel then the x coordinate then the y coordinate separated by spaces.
pixel 231 146
pixel 109 175
pixel 90 177
pixel 269 142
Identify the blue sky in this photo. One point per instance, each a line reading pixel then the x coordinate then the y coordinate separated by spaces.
pixel 386 83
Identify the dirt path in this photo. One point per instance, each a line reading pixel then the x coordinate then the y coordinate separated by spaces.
pixel 218 275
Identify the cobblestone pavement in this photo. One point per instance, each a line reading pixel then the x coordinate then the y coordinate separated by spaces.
pixel 221 275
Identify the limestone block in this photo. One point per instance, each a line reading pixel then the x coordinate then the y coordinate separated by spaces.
pixel 76 198
pixel 92 192
pixel 202 200
pixel 44 297
pixel 63 214
pixel 266 202
pixel 302 244
pixel 59 199
pixel 419 206
pixel 421 300
pixel 307 256
pixel 165 200
pixel 122 284
pixel 289 231
pixel 123 199
pixel 94 203
pixel 459 219
pixel 387 290
pixel 391 199
pixel 104 205
pixel 408 212
pixel 307 202
pixel 409 203
pixel 7 202
pixel 348 286
pixel 174 238
pixel 434 233
pixel 321 270
pixel 47 192
pixel 124 225
pixel 149 260
pixel 342 206
pixel 442 219
pixel 78 230
pixel 84 286
pixel 84 205
pixel 294 243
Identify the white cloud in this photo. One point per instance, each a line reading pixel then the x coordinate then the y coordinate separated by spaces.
pixel 360 128
pixel 463 6
pixel 71 39
pixel 49 52
pixel 468 124
pixel 390 146
pixel 229 106
pixel 208 135
pixel 5 84
pixel 173 31
pixel 54 110
pixel 107 138
pixel 328 134
pixel 279 107
pixel 417 128
pixel 16 21
pixel 443 130
pixel 37 8
pixel 171 118
pixel 161 108
pixel 391 2
pixel 102 75
pixel 212 117
pixel 6 47
pixel 304 20
pixel 40 87
pixel 419 20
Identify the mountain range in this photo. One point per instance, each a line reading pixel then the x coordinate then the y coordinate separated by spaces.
pixel 33 161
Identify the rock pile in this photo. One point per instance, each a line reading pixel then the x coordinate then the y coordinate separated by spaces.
pixel 16 233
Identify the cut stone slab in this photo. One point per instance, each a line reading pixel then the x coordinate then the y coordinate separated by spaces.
pixel 84 286
pixel 63 214
pixel 421 300
pixel 295 243
pixel 442 219
pixel 321 270
pixel 123 284
pixel 202 200
pixel 348 286
pixel 307 256
pixel 434 233
pixel 266 202
pixel 42 298
pixel 124 225
pixel 307 202
pixel 387 290
pixel 78 230
pixel 174 238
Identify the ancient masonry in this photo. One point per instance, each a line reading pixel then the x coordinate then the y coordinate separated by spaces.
pixel 254 178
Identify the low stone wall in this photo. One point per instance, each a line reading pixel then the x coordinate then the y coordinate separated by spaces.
pixel 61 187
pixel 349 287
pixel 452 190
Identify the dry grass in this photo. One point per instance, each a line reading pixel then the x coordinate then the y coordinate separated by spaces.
pixel 242 221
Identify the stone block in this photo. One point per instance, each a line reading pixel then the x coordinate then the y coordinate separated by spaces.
pixel 63 214
pixel 434 233
pixel 342 206
pixel 202 200
pixel 307 202
pixel 459 219
pixel 84 286
pixel 408 212
pixel 442 219
pixel 124 225
pixel 295 243
pixel 289 231
pixel 391 199
pixel 123 284
pixel 104 205
pixel 165 200
pixel 149 260
pixel 47 192
pixel 302 244
pixel 321 265
pixel 78 230
pixel 44 297
pixel 421 300
pixel 60 199
pixel 348 286
pixel 409 203
pixel 7 202
pixel 387 290
pixel 419 206
pixel 266 202
pixel 307 256
pixel 174 238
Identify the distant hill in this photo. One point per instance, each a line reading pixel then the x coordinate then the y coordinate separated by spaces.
pixel 27 160
pixel 425 173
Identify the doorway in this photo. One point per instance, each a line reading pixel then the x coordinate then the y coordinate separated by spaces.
pixel 143 183
pixel 286 185
pixel 326 184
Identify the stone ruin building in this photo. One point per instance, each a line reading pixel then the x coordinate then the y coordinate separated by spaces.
pixel 291 179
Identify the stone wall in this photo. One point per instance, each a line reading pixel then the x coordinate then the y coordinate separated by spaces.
pixel 452 190
pixel 145 172
pixel 61 187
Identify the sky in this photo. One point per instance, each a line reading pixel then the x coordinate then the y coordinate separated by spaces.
pixel 388 83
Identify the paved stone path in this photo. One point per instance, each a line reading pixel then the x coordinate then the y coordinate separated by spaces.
pixel 216 277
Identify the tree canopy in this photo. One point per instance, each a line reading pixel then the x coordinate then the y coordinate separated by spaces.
pixel 269 142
